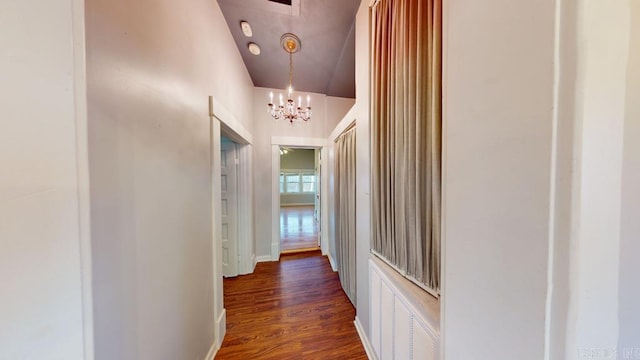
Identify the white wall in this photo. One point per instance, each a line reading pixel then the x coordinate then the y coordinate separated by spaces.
pixel 560 225
pixel 363 166
pixel 337 108
pixel 43 213
pixel 497 142
pixel 578 130
pixel 629 288
pixel 151 66
pixel 602 318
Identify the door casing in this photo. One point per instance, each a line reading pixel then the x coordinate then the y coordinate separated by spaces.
pixel 301 142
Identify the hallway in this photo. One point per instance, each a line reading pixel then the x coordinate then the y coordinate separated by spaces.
pixel 497 162
pixel 291 309
pixel 298 228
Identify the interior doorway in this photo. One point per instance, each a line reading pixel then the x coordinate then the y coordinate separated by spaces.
pixel 299 191
pixel 318 144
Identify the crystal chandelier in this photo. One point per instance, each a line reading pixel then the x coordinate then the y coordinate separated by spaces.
pixel 287 110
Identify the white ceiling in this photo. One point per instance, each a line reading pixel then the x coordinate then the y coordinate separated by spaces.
pixel 325 63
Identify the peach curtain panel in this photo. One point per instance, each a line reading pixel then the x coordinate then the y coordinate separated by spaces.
pixel 345 192
pixel 406 148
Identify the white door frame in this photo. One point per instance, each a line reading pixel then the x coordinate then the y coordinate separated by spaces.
pixel 246 248
pixel 222 122
pixel 302 142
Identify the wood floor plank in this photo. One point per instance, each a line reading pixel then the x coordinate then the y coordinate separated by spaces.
pixel 298 228
pixel 291 309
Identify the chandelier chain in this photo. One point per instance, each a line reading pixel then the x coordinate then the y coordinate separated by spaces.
pixel 290 70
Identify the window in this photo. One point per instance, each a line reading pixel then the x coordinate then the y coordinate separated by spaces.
pixel 295 181
pixel 308 183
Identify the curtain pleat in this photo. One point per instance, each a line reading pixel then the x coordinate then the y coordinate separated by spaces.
pixel 345 192
pixel 406 136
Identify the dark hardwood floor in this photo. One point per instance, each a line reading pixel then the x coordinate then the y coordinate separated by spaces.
pixel 291 309
pixel 298 228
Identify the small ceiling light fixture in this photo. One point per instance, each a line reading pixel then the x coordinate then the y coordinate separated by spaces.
pixel 289 111
pixel 246 28
pixel 254 48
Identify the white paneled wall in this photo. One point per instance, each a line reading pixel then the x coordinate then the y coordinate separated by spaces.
pixel 405 320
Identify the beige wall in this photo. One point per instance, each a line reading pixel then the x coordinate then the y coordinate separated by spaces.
pixel 43 224
pixel 298 159
pixel 151 66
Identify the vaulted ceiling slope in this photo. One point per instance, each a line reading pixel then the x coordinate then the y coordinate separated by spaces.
pixel 325 63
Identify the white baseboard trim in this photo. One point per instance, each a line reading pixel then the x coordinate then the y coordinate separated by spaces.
pixel 254 261
pixel 322 248
pixel 368 348
pixel 333 263
pixel 263 258
pixel 275 252
pixel 221 326
pixel 213 350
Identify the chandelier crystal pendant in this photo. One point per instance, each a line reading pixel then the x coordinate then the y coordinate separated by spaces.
pixel 288 110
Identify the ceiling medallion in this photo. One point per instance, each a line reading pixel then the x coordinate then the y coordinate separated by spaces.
pixel 288 110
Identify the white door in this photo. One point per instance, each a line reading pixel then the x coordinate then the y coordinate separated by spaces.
pixel 317 203
pixel 229 196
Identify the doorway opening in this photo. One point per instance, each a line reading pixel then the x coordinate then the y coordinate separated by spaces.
pixel 233 191
pixel 320 151
pixel 299 191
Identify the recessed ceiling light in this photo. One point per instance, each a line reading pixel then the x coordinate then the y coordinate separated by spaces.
pixel 246 29
pixel 254 48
